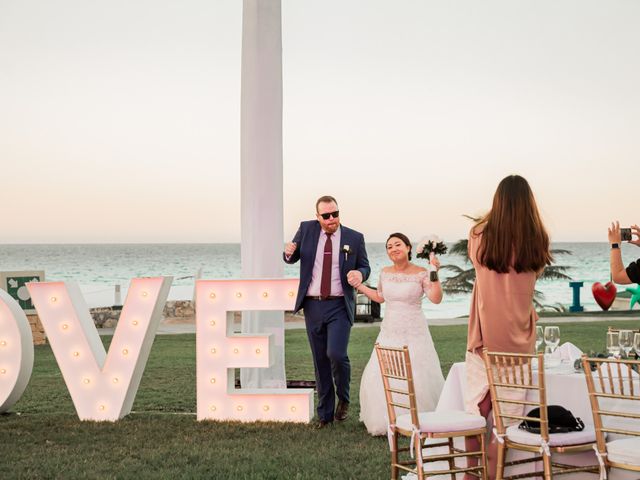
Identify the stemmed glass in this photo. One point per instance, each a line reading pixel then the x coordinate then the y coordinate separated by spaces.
pixel 613 343
pixel 552 337
pixel 539 337
pixel 626 341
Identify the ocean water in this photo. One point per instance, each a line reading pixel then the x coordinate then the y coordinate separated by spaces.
pixel 98 268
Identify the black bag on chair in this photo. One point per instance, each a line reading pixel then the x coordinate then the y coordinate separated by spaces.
pixel 560 419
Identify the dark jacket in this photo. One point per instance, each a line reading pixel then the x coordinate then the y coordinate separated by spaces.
pixel 306 239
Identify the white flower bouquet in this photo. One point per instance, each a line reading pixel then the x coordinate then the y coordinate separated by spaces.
pixel 431 244
pixel 427 246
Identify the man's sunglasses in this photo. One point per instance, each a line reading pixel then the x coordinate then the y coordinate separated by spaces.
pixel 326 216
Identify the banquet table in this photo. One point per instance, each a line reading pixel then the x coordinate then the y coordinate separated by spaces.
pixel 564 387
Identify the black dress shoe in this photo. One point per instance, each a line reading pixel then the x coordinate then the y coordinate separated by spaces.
pixel 323 423
pixel 342 411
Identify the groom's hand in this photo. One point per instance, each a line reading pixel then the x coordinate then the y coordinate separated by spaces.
pixel 290 248
pixel 354 277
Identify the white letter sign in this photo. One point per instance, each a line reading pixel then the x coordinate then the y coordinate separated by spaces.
pixel 102 386
pixel 219 351
pixel 16 351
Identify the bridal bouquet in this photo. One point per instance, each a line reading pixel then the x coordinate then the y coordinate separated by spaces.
pixel 430 244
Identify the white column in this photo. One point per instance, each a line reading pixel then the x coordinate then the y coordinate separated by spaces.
pixel 261 173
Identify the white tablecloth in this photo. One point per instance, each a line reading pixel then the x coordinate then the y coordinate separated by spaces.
pixel 564 387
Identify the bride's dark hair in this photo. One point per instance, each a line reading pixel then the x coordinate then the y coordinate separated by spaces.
pixel 402 237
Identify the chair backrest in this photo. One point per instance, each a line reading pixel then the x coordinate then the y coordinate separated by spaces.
pixel 614 393
pixel 513 390
pixel 397 379
pixel 614 329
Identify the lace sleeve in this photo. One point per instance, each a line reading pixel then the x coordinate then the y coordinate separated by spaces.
pixel 426 283
pixel 380 292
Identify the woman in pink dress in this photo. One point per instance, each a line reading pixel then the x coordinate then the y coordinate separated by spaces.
pixel 509 248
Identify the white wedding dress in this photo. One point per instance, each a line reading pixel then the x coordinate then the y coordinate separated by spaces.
pixel 403 324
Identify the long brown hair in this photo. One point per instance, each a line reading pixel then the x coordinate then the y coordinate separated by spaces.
pixel 514 235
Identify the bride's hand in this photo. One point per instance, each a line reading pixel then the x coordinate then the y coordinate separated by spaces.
pixel 433 260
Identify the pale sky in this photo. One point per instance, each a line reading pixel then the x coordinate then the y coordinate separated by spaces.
pixel 119 120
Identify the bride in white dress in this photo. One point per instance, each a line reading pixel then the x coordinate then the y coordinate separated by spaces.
pixel 402 286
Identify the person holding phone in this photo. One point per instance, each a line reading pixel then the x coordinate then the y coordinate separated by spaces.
pixel 620 274
pixel 333 261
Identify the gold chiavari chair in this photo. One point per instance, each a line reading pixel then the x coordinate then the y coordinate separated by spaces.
pixel 517 388
pixel 614 329
pixel 424 429
pixel 614 392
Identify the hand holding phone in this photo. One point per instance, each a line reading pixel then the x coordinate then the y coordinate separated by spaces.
pixel 625 234
pixel 635 235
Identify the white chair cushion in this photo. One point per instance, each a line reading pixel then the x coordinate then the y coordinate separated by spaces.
pixel 588 435
pixel 439 422
pixel 625 450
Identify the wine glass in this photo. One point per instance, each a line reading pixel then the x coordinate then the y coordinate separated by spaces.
pixel 552 337
pixel 613 343
pixel 636 343
pixel 539 337
pixel 626 341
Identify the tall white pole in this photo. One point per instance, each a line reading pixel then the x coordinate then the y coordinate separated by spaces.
pixel 261 172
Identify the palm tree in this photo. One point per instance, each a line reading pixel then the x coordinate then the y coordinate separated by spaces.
pixel 463 279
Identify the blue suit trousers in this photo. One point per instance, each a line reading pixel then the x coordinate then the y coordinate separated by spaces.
pixel 328 330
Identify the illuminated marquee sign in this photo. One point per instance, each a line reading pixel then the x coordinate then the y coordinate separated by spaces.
pixel 219 351
pixel 16 351
pixel 103 385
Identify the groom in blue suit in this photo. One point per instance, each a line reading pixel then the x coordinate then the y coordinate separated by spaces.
pixel 333 261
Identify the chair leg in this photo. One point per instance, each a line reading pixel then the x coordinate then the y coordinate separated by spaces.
pixel 452 462
pixel 394 457
pixel 546 462
pixel 419 460
pixel 502 454
pixel 483 459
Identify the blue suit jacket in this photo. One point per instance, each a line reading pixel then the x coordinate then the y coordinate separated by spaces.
pixel 307 238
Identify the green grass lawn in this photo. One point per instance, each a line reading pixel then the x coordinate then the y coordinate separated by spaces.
pixel 42 437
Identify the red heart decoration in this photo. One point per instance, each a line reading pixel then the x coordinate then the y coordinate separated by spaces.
pixel 604 294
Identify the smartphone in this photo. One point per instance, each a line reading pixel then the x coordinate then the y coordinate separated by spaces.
pixel 625 234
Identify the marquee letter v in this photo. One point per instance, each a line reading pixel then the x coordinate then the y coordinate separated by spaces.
pixel 102 386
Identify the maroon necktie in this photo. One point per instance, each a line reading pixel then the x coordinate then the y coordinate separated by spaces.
pixel 325 281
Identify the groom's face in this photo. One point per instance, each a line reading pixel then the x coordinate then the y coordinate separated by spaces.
pixel 331 224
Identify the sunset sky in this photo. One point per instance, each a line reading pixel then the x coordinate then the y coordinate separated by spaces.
pixel 119 120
